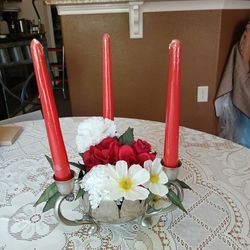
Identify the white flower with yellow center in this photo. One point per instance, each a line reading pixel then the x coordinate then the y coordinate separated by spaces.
pixel 157 177
pixel 125 182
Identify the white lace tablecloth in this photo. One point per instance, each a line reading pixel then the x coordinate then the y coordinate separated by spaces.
pixel 218 207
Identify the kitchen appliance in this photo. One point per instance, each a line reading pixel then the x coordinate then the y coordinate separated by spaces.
pixel 10 16
pixel 15 25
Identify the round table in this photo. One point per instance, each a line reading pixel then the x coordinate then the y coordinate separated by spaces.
pixel 218 206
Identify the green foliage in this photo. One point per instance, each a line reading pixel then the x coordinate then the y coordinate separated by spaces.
pixel 175 200
pixel 149 198
pixel 51 202
pixel 49 160
pixel 80 193
pixel 127 137
pixel 77 165
pixel 80 175
pixel 183 185
pixel 50 191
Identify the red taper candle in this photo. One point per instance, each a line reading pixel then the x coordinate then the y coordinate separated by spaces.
pixel 58 152
pixel 171 144
pixel 108 109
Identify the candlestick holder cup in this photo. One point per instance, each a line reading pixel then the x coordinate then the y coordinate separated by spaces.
pixel 172 173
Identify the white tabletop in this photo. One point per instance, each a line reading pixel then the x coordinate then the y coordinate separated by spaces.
pixel 218 207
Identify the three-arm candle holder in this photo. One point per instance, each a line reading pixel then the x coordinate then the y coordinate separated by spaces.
pixel 108 211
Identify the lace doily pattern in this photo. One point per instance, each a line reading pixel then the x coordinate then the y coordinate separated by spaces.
pixel 218 206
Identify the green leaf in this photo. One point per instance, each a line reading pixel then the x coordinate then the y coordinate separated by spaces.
pixel 80 193
pixel 51 202
pixel 150 209
pixel 183 184
pixel 149 198
pixel 49 160
pixel 77 165
pixel 127 137
pixel 47 194
pixel 175 200
pixel 80 175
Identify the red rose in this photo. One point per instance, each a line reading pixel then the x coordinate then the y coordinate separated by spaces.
pixel 141 146
pixel 89 158
pixel 144 157
pixel 102 155
pixel 94 157
pixel 114 148
pixel 110 150
pixel 105 143
pixel 126 153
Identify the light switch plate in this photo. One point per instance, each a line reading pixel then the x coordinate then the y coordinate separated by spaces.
pixel 202 94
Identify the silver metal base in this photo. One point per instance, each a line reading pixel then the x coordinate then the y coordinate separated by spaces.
pixel 108 211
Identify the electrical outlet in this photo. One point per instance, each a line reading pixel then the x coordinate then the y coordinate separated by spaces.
pixel 202 94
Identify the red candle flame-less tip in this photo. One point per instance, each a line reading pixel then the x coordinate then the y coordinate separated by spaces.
pixel 58 152
pixel 108 110
pixel 171 143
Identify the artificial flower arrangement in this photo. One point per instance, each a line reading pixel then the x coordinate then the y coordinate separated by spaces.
pixel 118 172
pixel 116 168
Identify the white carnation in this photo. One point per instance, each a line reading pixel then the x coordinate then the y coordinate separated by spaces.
pixel 95 183
pixel 92 131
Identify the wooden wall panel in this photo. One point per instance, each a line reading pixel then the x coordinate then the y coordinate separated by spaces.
pixel 140 66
